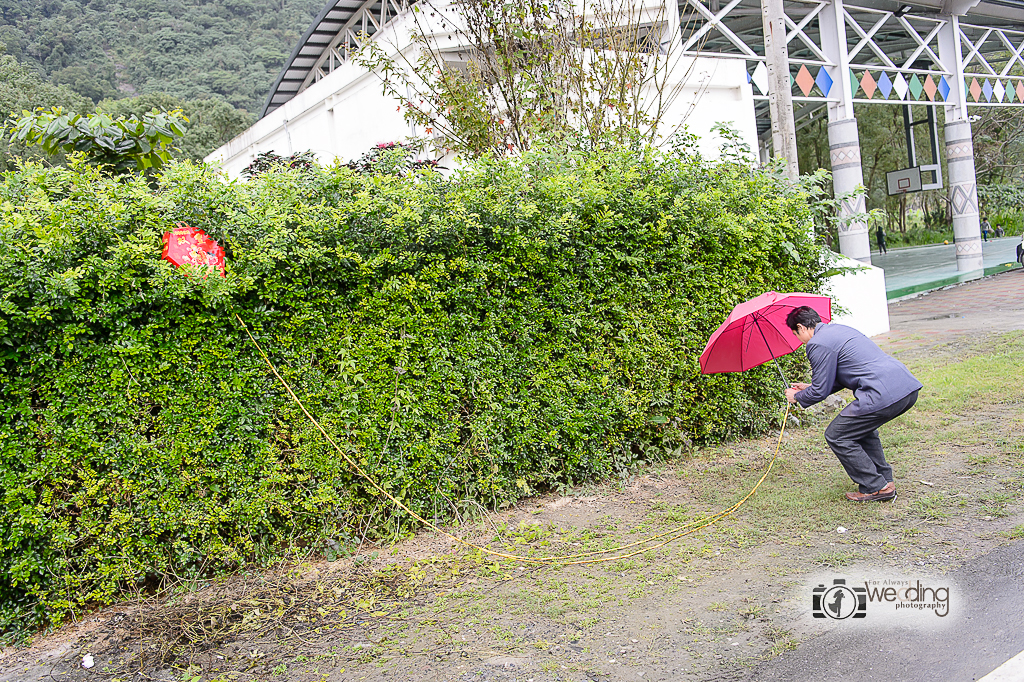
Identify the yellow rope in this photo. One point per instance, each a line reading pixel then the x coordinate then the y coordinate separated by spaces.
pixel 582 558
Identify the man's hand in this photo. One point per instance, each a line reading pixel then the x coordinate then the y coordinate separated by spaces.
pixel 793 390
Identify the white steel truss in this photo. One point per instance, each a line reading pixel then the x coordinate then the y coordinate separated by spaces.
pixel 371 17
pixel 993 65
pixel 892 57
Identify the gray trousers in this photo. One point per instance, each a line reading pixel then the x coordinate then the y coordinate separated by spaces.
pixel 856 444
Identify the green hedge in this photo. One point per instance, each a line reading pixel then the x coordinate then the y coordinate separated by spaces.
pixel 522 325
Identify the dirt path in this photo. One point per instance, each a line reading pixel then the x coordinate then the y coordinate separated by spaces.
pixel 708 606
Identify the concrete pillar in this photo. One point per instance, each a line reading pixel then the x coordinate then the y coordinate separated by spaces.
pixel 847 179
pixel 963 196
pixel 963 184
pixel 843 139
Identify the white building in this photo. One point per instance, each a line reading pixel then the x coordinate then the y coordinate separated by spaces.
pixel 325 103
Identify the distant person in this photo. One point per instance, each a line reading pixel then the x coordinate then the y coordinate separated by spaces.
pixel 880 238
pixel 1020 250
pixel 883 389
pixel 985 227
pixel 1000 231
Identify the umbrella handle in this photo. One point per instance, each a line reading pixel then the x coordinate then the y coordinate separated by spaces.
pixel 785 383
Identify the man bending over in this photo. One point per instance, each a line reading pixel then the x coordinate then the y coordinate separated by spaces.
pixel 883 389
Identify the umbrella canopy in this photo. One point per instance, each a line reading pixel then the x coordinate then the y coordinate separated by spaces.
pixel 756 332
pixel 187 244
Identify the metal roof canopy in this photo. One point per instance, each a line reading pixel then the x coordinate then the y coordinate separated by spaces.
pixel 327 43
pixel 890 45
pixel 882 39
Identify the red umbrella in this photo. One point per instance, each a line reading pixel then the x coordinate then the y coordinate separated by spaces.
pixel 756 332
pixel 187 244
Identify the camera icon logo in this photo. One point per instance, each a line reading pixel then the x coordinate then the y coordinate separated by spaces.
pixel 839 601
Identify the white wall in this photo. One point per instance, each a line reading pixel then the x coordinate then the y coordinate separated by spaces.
pixel 345 113
pixel 713 91
pixel 862 293
pixel 340 117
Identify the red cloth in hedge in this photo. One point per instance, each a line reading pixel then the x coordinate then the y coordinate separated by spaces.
pixel 187 244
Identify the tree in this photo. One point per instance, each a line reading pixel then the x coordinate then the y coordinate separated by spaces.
pixel 121 144
pixel 192 49
pixel 500 75
pixel 212 121
pixel 22 89
pixel 999 145
pixel 267 161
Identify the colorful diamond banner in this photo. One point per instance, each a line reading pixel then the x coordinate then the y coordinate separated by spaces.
pixel 760 77
pixel 987 89
pixel 944 88
pixel 868 84
pixel 885 85
pixel 915 87
pixel 900 86
pixel 929 88
pixel 804 80
pixel 824 81
pixel 999 91
pixel 975 89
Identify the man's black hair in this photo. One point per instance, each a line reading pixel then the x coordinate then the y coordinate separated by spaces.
pixel 805 315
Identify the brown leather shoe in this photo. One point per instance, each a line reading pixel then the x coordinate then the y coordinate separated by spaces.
pixel 886 493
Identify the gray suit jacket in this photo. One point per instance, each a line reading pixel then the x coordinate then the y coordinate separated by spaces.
pixel 841 357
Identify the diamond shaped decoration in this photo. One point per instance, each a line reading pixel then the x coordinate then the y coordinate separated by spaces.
pixel 999 91
pixel 760 77
pixel 1010 92
pixel 823 81
pixel 885 85
pixel 804 80
pixel 900 86
pixel 929 88
pixel 791 80
pixel 987 89
pixel 975 89
pixel 1020 91
pixel 944 88
pixel 868 84
pixel 915 87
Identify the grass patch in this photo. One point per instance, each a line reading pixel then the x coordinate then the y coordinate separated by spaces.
pixel 781 639
pixel 993 377
pixel 934 507
pixel 835 558
pixel 995 504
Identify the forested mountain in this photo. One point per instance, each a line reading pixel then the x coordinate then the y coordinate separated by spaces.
pixel 190 49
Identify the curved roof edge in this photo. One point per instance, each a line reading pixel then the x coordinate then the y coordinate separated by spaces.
pixel 324 34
